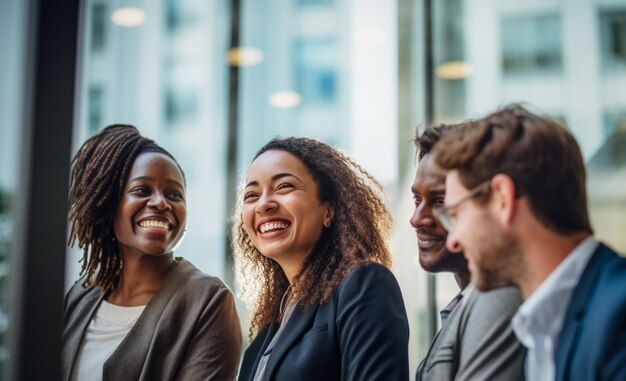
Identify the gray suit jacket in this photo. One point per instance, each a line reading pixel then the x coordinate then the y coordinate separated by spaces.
pixel 188 331
pixel 477 341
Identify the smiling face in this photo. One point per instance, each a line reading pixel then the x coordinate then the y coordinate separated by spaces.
pixel 282 213
pixel 151 214
pixel 429 191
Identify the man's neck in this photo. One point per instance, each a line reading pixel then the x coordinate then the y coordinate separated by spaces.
pixel 544 255
pixel 462 279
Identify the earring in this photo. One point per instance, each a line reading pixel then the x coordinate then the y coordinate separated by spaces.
pixel 327 223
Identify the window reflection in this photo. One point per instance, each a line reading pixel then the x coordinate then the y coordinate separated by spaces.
pixel 168 76
pixel 13 44
pixel 99 26
pixel 566 60
pixel 613 33
pixel 316 70
pixel 531 44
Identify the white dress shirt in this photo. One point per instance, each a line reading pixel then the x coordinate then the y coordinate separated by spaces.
pixel 538 322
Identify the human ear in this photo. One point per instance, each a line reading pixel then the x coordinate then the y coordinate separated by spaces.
pixel 328 214
pixel 503 198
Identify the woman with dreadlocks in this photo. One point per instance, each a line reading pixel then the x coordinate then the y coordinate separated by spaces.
pixel 311 250
pixel 139 313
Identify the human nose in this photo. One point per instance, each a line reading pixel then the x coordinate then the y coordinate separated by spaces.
pixel 266 204
pixel 159 201
pixel 452 242
pixel 422 216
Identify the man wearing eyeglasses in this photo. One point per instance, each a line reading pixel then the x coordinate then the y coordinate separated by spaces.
pixel 476 341
pixel 516 205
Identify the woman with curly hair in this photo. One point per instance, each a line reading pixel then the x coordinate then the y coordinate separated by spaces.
pixel 310 240
pixel 139 313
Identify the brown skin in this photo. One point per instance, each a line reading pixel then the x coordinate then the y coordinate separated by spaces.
pixel 149 221
pixel 429 190
pixel 281 191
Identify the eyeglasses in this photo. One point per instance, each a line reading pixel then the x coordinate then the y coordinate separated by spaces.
pixel 443 212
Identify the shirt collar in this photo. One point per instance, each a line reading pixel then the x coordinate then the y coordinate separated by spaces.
pixel 543 312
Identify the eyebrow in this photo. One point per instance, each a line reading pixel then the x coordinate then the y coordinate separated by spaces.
pixel 434 192
pixel 276 177
pixel 169 181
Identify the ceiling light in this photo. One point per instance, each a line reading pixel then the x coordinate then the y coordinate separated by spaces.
pixel 242 56
pixel 454 70
pixel 285 99
pixel 128 17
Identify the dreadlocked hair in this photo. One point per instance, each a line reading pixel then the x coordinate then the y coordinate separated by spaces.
pixel 359 232
pixel 99 172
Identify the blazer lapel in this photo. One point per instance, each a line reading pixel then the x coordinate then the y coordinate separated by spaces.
pixel 258 346
pixel 299 322
pixel 129 357
pixel 576 312
pixel 75 328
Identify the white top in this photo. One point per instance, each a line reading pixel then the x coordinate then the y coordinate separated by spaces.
pixel 107 329
pixel 260 370
pixel 538 322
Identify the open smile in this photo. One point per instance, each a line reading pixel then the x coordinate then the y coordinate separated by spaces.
pixel 273 226
pixel 155 223
pixel 428 242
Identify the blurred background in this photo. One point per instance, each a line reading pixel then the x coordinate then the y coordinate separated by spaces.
pixel 213 80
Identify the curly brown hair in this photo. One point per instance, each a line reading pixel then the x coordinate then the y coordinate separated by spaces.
pixel 359 233
pixel 99 173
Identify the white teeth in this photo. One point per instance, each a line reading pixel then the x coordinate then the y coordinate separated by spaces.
pixel 273 226
pixel 154 224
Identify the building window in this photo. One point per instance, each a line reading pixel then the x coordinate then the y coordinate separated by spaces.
pixel 613 34
pixel 314 2
pixel 531 45
pixel 98 27
pixel 6 232
pixel 181 105
pixel 316 70
pixel 182 13
pixel 96 102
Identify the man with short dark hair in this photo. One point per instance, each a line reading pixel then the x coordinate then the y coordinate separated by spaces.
pixel 476 341
pixel 516 205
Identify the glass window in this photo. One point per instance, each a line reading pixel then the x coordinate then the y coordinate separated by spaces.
pixel 314 2
pixel 181 14
pixel 96 100
pixel 550 55
pixel 547 55
pixel 531 44
pixel 166 73
pixel 99 26
pixel 316 70
pixel 613 35
pixel 12 65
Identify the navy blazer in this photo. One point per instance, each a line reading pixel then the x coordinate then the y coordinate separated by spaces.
pixel 360 333
pixel 592 345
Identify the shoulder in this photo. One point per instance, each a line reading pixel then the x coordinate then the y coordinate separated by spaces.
pixel 502 301
pixel 194 278
pixel 368 273
pixel 369 278
pixel 78 292
pixel 609 291
pixel 603 283
pixel 486 311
